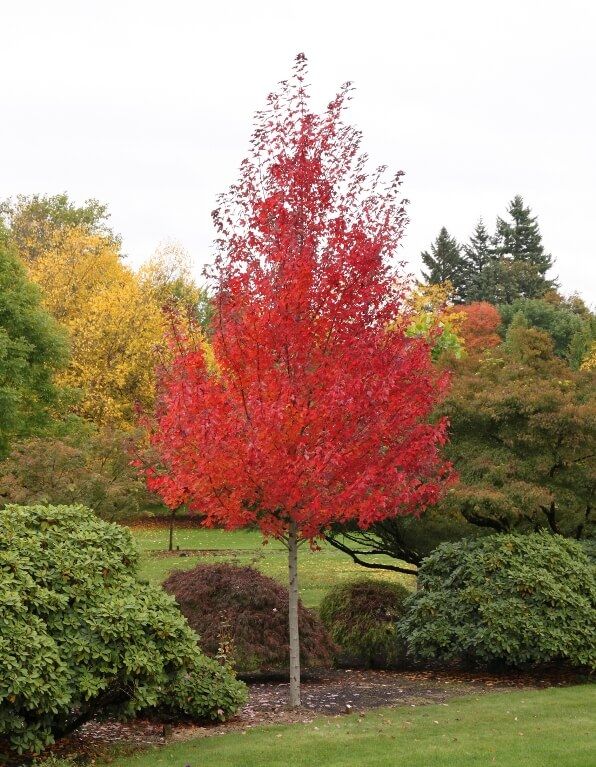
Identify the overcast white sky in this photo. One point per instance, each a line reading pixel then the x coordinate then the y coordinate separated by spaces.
pixel 147 106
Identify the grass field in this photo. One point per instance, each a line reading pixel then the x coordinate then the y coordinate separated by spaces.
pixel 319 570
pixel 547 728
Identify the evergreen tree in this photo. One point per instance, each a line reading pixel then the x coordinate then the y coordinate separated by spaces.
pixel 446 263
pixel 478 252
pixel 483 273
pixel 518 245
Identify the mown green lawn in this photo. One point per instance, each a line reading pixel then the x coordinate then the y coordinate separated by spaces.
pixel 547 728
pixel 319 570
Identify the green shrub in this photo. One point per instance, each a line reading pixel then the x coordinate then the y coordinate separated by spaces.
pixel 507 599
pixel 243 614
pixel 362 618
pixel 81 637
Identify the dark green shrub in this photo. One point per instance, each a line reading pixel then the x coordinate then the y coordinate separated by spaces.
pixel 245 613
pixel 80 636
pixel 362 618
pixel 507 599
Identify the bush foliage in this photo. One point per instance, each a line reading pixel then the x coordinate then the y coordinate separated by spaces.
pixel 508 599
pixel 239 611
pixel 362 618
pixel 85 465
pixel 80 636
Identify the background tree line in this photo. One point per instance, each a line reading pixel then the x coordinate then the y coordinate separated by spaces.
pixel 81 334
pixel 521 405
pixel 498 268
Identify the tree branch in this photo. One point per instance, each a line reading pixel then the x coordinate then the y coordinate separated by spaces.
pixel 373 566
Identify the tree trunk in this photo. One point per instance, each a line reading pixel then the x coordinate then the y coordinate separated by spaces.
pixel 171 542
pixel 293 617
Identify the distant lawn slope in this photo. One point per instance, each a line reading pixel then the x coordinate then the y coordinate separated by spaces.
pixel 546 728
pixel 319 570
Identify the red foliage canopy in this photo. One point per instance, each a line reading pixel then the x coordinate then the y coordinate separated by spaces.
pixel 314 412
pixel 479 326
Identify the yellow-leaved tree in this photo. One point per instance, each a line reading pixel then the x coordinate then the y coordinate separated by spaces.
pixel 434 319
pixel 117 322
pixel 589 361
pixel 116 326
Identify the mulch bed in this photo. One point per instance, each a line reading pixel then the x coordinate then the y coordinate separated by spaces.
pixel 333 692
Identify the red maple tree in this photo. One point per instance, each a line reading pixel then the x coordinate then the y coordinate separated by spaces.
pixel 479 327
pixel 316 408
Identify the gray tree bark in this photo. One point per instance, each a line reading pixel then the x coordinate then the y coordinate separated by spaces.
pixel 293 616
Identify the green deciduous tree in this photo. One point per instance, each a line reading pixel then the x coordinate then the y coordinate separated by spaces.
pixel 572 333
pixel 523 440
pixel 32 349
pixel 80 464
pixel 523 428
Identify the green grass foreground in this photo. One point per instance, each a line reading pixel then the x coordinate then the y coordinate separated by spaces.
pixel 318 570
pixel 521 729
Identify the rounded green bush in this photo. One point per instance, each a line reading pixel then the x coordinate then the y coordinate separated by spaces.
pixel 362 618
pixel 505 599
pixel 81 637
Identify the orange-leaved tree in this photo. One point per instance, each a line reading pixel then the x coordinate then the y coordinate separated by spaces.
pixel 478 325
pixel 310 411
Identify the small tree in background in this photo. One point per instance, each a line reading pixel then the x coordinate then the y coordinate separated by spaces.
pixel 518 245
pixel 522 439
pixel 76 463
pixel 478 326
pixel 570 331
pixel 34 220
pixel 484 272
pixel 434 318
pixel 311 411
pixel 445 263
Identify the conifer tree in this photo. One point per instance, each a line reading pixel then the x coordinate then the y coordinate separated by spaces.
pixel 482 267
pixel 446 264
pixel 518 245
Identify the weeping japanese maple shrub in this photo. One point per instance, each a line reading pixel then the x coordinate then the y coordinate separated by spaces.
pixel 312 405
